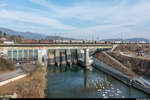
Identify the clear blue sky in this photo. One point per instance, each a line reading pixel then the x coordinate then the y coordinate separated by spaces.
pixel 83 19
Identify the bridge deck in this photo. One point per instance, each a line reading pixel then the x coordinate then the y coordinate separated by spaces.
pixel 51 45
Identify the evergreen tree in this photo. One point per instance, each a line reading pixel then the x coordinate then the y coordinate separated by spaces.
pixel 5 34
pixel 0 34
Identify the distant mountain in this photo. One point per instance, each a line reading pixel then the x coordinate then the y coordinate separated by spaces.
pixel 137 39
pixel 112 39
pixel 58 38
pixel 30 35
pixel 129 40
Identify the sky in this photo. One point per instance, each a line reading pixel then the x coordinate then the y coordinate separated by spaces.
pixel 82 19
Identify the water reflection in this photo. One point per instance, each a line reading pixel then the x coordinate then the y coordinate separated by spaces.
pixel 74 68
pixel 86 72
pixel 129 95
pixel 75 82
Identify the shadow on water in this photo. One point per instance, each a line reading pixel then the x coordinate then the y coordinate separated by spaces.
pixel 75 82
pixel 54 68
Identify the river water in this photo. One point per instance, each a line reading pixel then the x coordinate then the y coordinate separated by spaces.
pixel 75 82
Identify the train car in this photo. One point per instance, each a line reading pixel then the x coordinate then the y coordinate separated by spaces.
pixel 89 42
pixel 62 41
pixel 76 41
pixel 46 41
pixel 108 42
pixel 29 41
pixel 100 42
pixel 117 42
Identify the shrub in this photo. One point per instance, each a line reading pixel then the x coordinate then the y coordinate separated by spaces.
pixel 6 64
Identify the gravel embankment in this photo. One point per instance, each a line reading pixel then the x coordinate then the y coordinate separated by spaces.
pixel 105 59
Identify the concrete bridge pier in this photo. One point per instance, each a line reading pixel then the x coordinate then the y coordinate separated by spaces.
pixel 23 56
pixel 57 57
pixel 86 58
pixel 86 84
pixel 63 57
pixel 33 55
pixel 68 57
pixel 74 56
pixel 79 55
pixel 28 56
pixel 82 54
pixel 17 56
pixel 12 56
pixel 40 56
pixel 46 58
pixel 51 58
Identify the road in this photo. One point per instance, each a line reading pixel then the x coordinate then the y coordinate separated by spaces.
pixel 20 69
pixel 134 56
pixel 12 74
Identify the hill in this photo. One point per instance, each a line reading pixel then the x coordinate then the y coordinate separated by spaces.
pixel 58 38
pixel 28 35
pixel 129 40
pixel 31 35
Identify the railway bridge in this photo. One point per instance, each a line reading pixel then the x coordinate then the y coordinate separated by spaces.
pixel 51 53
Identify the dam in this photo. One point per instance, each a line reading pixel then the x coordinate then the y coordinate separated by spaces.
pixel 58 54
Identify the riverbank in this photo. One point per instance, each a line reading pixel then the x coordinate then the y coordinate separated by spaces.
pixel 137 65
pixel 120 75
pixel 132 47
pixel 107 60
pixel 31 86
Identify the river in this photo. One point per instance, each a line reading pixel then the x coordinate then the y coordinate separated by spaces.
pixel 75 82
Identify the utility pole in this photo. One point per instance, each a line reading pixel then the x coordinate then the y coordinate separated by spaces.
pixel 97 39
pixel 55 37
pixel 92 36
pixel 89 36
pixel 122 37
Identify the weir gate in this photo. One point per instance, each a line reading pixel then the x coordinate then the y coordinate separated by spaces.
pixel 59 54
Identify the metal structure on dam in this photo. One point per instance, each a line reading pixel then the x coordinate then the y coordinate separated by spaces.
pixel 51 53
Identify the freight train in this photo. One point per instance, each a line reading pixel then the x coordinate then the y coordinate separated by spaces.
pixel 76 42
pixel 62 42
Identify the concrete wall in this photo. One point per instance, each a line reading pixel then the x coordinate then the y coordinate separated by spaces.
pixel 68 56
pixel 109 70
pixel 12 79
pixel 56 56
pixel 118 75
pixel 51 58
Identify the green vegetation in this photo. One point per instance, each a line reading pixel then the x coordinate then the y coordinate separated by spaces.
pixel 129 65
pixel 15 38
pixel 6 65
pixel 32 86
pixel 5 34
pixel 0 34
